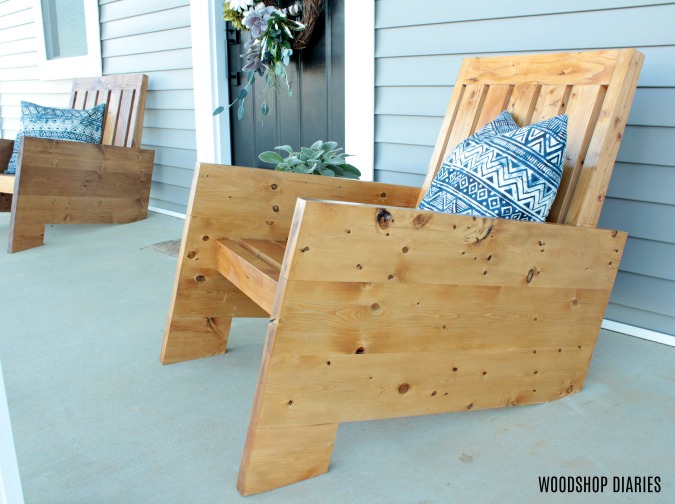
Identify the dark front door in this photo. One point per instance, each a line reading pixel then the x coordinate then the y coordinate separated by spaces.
pixel 315 111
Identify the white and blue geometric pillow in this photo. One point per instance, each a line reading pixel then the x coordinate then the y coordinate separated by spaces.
pixel 58 124
pixel 502 124
pixel 512 174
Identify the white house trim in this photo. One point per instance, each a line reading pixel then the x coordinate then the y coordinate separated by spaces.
pixel 209 68
pixel 638 332
pixel 10 483
pixel 79 66
pixel 360 85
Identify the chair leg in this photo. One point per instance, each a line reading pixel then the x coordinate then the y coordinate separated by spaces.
pixel 203 302
pixel 24 235
pixel 274 457
pixel 187 338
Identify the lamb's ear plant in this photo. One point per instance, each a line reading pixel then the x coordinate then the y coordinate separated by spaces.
pixel 322 158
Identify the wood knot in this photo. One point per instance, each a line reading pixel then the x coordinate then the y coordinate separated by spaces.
pixel 200 278
pixel 469 406
pixel 360 351
pixel 403 388
pixel 275 208
pixel 274 187
pixel 375 306
pixel 530 275
pixel 574 302
pixel 421 220
pixel 205 238
pixel 614 233
pixel 404 250
pixel 304 249
pixel 192 255
pixel 485 235
pixel 570 389
pixel 383 217
pixel 384 195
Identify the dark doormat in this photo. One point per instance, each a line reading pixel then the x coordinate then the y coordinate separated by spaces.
pixel 170 247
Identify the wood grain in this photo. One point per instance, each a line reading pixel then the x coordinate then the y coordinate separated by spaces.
pixel 73 182
pixel 64 182
pixel 380 310
pixel 595 89
pixel 234 202
pixel 381 327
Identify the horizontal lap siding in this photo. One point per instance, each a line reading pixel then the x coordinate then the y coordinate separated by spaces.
pixel 418 54
pixel 151 37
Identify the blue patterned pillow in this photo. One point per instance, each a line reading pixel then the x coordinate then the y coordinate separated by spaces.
pixel 502 124
pixel 512 174
pixel 58 124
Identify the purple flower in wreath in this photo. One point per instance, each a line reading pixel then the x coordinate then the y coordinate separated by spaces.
pixel 256 19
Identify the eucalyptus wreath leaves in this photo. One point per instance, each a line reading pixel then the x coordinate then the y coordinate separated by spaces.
pixel 269 51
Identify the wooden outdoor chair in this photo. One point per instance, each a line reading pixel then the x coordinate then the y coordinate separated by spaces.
pixel 63 182
pixel 380 310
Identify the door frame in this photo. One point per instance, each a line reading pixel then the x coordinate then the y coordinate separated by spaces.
pixel 210 73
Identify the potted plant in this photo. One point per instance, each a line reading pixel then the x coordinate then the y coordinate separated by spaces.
pixel 322 158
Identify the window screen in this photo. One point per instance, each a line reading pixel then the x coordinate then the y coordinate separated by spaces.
pixel 65 28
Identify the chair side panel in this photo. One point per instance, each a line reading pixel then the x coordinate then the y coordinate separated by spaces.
pixel 430 313
pixel 72 182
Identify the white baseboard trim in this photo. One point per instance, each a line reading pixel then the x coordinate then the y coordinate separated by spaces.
pixel 166 212
pixel 638 332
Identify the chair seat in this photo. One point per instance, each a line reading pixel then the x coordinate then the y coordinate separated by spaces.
pixel 253 266
pixel 6 183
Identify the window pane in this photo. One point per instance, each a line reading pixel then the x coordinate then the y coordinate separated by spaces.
pixel 65 29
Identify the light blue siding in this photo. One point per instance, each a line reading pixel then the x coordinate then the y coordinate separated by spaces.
pixel 418 54
pixel 149 36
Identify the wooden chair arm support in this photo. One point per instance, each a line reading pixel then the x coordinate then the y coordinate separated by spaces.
pixel 258 204
pixel 61 182
pixel 64 181
pixel 403 245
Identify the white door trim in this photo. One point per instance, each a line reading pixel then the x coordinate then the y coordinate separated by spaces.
pixel 10 482
pixel 360 85
pixel 209 56
pixel 209 68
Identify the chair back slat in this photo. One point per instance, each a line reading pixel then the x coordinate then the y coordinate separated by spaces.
pixel 124 96
pixel 584 105
pixel 496 100
pixel 468 114
pixel 552 101
pixel 523 101
pixel 595 89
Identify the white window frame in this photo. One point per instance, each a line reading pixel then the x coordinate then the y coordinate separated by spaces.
pixel 78 66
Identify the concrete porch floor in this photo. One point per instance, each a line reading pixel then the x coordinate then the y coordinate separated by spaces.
pixel 97 419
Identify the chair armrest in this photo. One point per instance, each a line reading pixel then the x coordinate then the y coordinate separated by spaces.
pixel 82 182
pixel 431 247
pixel 257 203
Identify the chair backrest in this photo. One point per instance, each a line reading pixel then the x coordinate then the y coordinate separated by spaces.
pixel 124 96
pixel 595 89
